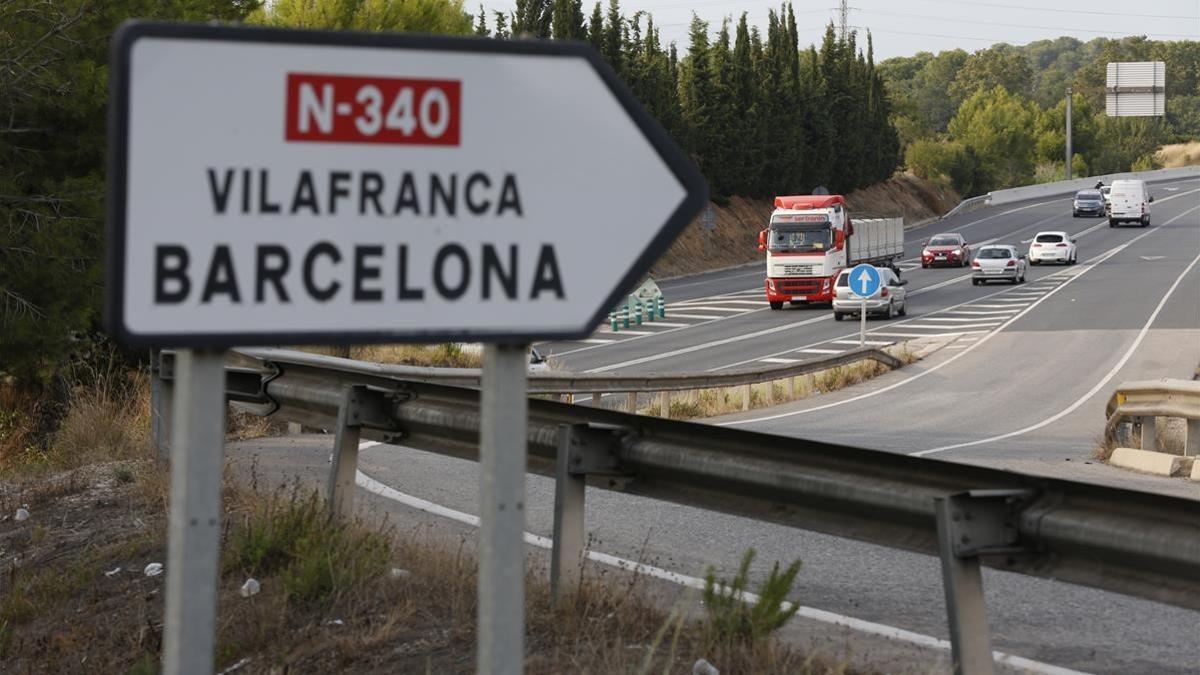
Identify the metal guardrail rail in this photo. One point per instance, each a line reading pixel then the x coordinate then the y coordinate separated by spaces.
pixel 1140 403
pixel 1125 541
pixel 579 383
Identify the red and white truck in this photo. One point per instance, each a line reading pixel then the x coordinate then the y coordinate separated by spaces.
pixel 811 238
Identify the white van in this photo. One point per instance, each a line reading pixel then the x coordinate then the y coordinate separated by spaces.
pixel 1130 203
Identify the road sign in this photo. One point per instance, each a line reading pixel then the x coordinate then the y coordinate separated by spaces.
pixel 1136 89
pixel 290 187
pixel 865 280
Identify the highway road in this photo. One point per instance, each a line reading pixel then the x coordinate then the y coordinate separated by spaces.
pixel 1022 386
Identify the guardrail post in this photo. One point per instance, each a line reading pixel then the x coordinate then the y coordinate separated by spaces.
pixel 569 490
pixel 1149 426
pixel 361 406
pixel 970 524
pixel 582 449
pixel 770 385
pixel 664 403
pixel 631 403
pixel 162 396
pixel 745 397
pixel 596 399
pixel 1192 447
pixel 791 388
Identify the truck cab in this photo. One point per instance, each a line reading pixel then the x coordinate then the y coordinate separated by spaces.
pixel 805 243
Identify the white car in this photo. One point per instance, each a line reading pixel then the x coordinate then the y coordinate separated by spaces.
pixel 1052 247
pixel 890 301
pixel 998 263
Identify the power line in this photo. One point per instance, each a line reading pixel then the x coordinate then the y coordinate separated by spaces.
pixel 1009 25
pixel 960 3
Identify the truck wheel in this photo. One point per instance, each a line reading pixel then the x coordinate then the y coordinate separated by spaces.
pixel 1112 223
pixel 776 305
pixel 838 316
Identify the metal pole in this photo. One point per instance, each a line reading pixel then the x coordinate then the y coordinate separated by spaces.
pixel 569 491
pixel 1069 153
pixel 197 448
pixel 862 323
pixel 504 410
pixel 962 580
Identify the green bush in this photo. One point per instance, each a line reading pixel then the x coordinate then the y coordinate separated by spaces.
pixel 316 557
pixel 732 620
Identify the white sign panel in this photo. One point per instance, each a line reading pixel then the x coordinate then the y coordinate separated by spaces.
pixel 284 187
pixel 1136 89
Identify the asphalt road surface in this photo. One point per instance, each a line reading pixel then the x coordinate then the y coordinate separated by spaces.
pixel 1022 386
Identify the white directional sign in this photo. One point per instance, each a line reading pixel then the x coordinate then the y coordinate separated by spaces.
pixel 289 187
pixel 865 280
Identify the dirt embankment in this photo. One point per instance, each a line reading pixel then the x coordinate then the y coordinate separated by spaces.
pixel 734 240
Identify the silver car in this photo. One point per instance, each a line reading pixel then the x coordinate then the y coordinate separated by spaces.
pixel 999 262
pixel 890 301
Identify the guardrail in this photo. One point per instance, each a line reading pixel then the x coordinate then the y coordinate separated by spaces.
pixel 1125 541
pixel 1137 405
pixel 968 205
pixel 572 384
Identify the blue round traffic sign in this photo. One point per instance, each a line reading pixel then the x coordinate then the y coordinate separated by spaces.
pixel 865 280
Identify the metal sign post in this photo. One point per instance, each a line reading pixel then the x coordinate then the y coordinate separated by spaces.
pixel 865 281
pixel 294 187
pixel 197 450
pixel 502 450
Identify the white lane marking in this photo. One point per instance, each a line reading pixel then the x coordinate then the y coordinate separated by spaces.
pixel 867 342
pixel 1093 391
pixel 677 315
pixel 953 319
pixel 986 306
pixel 546 543
pixel 813 350
pixel 1086 267
pixel 755 303
pixel 986 312
pixel 779 360
pixel 915 335
pixel 625 331
pixel 957 347
pixel 656 322
pixel 958 326
pixel 969 339
pixel 705 308
pixel 706 345
pixel 596 341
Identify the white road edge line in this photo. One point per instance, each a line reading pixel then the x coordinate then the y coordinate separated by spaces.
pixel 891 632
pixel 1087 266
pixel 1099 385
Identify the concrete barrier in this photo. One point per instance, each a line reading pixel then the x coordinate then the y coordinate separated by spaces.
pixel 1159 463
pixel 1069 187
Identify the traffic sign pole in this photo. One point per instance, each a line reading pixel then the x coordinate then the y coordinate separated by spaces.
pixel 197 449
pixel 502 448
pixel 862 324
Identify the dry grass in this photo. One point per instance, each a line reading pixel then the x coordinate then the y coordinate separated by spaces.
pixel 723 401
pixel 446 355
pixel 1179 154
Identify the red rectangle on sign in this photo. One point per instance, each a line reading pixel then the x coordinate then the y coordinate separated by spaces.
pixel 350 109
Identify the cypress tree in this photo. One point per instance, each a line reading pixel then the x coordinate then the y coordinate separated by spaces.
pixel 595 29
pixel 567 20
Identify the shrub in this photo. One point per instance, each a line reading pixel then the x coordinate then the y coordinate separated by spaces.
pixel 730 619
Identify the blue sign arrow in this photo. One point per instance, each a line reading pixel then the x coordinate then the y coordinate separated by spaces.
pixel 865 280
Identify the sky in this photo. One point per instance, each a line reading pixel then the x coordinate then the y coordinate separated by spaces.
pixel 905 28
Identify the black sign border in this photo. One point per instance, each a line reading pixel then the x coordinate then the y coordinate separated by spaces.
pixel 685 171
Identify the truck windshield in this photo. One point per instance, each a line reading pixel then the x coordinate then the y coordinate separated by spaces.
pixel 799 239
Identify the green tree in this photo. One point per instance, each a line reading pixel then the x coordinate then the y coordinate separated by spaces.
pixel 419 16
pixel 532 18
pixel 999 66
pixel 567 21
pixel 999 127
pixel 53 95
